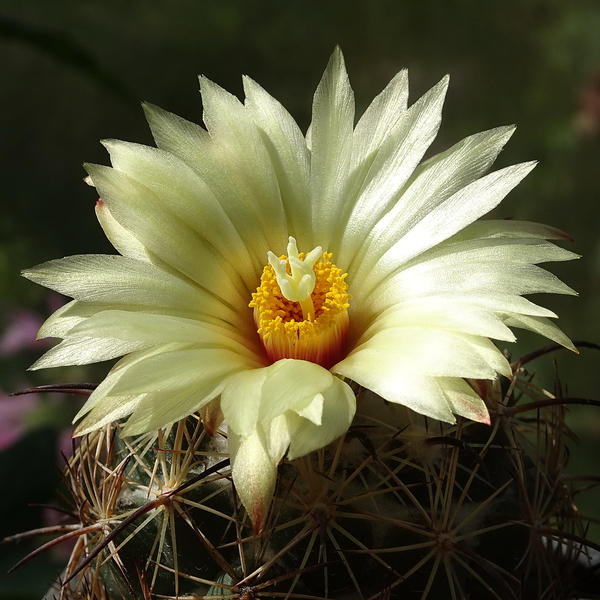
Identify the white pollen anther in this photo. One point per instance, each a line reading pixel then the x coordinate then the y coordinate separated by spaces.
pixel 298 286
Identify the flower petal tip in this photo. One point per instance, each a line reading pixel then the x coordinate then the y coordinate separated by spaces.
pixel 79 431
pixel 258 518
pixel 486 420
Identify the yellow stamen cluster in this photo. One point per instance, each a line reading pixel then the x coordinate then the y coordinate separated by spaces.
pixel 284 331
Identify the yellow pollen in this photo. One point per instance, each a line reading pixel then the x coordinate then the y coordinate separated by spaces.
pixel 313 328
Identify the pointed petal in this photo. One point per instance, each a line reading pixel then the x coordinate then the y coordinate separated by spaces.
pixel 441 353
pixel 431 183
pixel 289 155
pixel 86 350
pixel 443 313
pixel 155 329
pixel 524 250
pixel 188 368
pixel 451 216
pixel 428 279
pixel 106 411
pixel 194 146
pixel 331 147
pixel 463 400
pixel 183 193
pixel 167 236
pixel 240 400
pixel 99 395
pixel 61 321
pixel 380 118
pixel 279 435
pixel 178 136
pixel 120 280
pixel 123 241
pixel 494 228
pixel 244 176
pixel 384 176
pixel 380 372
pixel 542 326
pixel 501 303
pixel 160 409
pixel 160 386
pixel 254 475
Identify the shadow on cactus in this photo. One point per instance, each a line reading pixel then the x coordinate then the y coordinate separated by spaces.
pixel 402 506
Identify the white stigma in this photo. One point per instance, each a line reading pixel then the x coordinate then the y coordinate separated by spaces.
pixel 298 286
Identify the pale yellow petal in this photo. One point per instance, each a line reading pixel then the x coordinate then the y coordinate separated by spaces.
pixel 400 382
pixel 241 398
pixel 254 474
pixel 339 407
pixel 288 383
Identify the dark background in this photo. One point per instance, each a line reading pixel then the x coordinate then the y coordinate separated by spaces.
pixel 74 71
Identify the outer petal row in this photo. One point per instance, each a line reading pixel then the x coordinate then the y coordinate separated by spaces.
pixel 161 385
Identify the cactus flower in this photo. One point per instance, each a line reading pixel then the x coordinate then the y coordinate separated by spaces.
pixel 261 271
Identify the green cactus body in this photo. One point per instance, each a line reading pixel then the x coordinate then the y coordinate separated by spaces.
pixel 401 507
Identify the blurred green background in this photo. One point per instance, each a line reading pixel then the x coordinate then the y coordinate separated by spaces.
pixel 74 71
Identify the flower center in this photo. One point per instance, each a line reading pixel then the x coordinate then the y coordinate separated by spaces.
pixel 301 307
